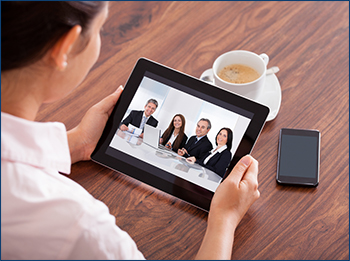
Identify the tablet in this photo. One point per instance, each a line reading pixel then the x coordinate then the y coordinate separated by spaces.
pixel 163 94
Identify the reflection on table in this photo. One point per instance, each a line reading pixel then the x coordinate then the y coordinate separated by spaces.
pixel 166 160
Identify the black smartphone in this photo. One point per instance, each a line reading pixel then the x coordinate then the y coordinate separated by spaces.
pixel 298 157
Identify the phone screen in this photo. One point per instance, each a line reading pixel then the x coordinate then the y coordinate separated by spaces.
pixel 298 157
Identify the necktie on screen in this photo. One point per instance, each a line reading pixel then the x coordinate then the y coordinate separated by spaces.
pixel 191 146
pixel 143 122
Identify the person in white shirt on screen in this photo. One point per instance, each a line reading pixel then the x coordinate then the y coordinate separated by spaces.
pixel 218 158
pixel 174 136
pixel 56 44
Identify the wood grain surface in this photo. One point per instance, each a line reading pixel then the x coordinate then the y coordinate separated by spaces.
pixel 309 42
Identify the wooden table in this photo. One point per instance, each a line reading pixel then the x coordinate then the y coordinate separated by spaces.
pixel 309 42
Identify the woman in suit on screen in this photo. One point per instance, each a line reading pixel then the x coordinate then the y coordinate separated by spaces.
pixel 218 158
pixel 174 136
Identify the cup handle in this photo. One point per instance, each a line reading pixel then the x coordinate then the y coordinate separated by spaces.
pixel 265 57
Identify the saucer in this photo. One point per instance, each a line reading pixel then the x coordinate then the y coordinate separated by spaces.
pixel 271 97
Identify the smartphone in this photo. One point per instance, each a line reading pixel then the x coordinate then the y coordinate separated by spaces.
pixel 298 157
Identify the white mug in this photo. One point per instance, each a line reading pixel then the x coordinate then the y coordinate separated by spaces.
pixel 251 90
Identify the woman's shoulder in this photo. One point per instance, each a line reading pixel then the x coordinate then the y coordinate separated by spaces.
pixel 226 152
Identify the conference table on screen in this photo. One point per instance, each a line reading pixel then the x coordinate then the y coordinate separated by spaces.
pixel 165 159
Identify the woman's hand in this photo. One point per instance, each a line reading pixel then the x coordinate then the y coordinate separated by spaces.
pixel 168 145
pixel 83 139
pixel 238 191
pixel 231 201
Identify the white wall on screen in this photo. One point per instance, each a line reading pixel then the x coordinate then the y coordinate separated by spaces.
pixel 149 89
pixel 177 102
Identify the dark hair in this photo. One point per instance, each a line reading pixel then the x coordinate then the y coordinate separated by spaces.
pixel 208 121
pixel 170 129
pixel 30 29
pixel 229 138
pixel 152 101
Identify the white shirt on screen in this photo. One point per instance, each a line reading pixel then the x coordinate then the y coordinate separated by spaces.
pixel 172 138
pixel 213 152
pixel 45 215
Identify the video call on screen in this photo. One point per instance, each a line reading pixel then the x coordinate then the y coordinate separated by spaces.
pixel 172 99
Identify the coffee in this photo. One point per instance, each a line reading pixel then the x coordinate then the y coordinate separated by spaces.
pixel 238 73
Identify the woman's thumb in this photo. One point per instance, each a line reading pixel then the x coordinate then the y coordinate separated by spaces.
pixel 240 168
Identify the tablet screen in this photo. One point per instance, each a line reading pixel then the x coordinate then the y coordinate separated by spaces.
pixel 164 95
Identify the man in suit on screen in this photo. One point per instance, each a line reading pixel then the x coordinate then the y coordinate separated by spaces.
pixel 140 118
pixel 198 145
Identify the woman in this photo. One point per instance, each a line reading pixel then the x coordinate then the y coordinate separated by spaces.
pixel 218 158
pixel 47 50
pixel 174 136
pixel 55 45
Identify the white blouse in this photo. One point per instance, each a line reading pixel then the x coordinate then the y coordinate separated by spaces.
pixel 213 152
pixel 172 138
pixel 45 215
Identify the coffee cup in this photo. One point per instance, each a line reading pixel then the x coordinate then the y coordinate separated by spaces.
pixel 240 67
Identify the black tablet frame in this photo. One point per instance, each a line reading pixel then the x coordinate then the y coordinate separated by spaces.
pixel 176 186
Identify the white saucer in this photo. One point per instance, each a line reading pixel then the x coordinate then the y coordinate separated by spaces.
pixel 271 96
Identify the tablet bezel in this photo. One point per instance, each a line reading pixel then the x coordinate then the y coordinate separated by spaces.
pixel 176 186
